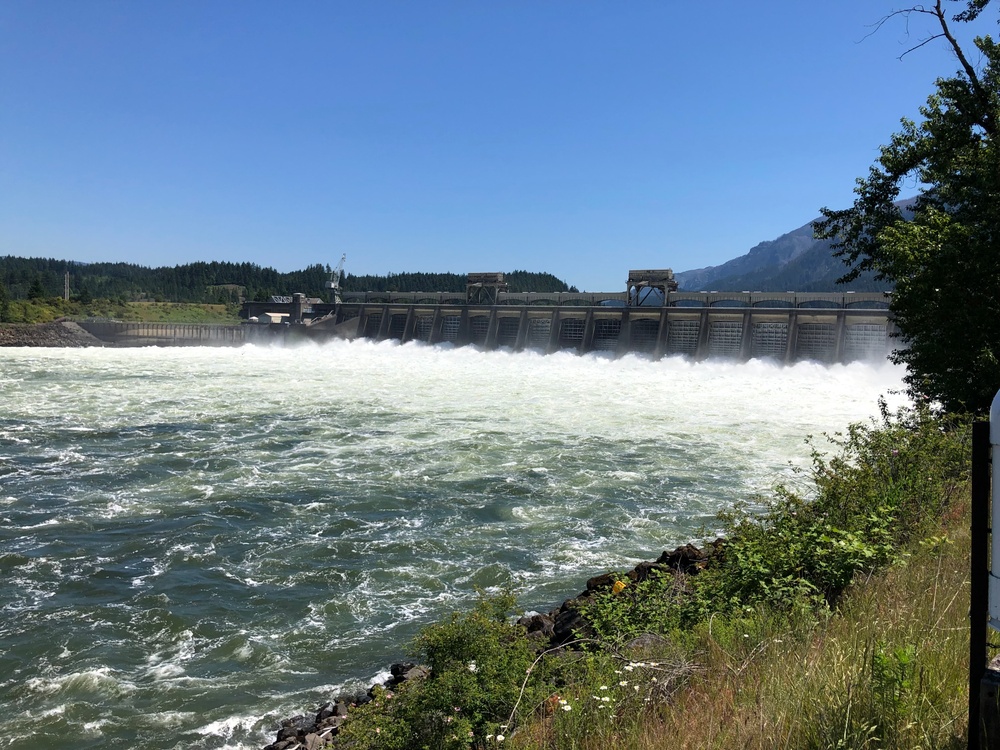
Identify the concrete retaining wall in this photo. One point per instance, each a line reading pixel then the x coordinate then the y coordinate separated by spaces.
pixel 165 334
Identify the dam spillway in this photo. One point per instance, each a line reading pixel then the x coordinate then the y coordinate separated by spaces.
pixel 789 327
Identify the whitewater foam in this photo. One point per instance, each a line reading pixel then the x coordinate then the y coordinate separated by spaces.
pixel 272 522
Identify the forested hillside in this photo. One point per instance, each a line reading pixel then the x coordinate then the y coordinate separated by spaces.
pixel 215 282
pixel 518 281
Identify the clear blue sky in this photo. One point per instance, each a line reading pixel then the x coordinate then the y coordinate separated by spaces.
pixel 577 137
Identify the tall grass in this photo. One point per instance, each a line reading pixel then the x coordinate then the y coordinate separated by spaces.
pixel 886 668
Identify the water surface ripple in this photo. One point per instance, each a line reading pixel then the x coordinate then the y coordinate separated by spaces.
pixel 196 542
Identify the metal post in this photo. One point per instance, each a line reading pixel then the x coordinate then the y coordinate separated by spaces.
pixel 994 566
pixel 979 604
pixel 984 683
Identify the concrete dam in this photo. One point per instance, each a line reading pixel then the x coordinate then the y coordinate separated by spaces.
pixel 826 327
pixel 651 317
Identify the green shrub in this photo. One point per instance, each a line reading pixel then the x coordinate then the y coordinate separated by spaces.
pixel 887 480
pixel 479 662
pixel 651 606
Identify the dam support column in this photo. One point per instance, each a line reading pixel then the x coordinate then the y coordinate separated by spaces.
pixel 436 323
pixel 624 335
pixel 298 307
pixel 553 333
pixel 587 342
pixel 491 329
pixel 746 336
pixel 703 324
pixel 522 331
pixel 362 321
pixel 411 323
pixel 661 334
pixel 463 328
pixel 383 326
pixel 840 333
pixel 793 334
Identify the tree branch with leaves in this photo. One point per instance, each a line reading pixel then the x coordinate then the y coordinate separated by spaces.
pixel 940 249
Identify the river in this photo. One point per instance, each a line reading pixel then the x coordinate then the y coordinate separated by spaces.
pixel 197 542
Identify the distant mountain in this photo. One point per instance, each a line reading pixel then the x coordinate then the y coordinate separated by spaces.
pixel 795 261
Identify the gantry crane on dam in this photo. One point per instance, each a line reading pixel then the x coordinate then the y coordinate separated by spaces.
pixel 333 284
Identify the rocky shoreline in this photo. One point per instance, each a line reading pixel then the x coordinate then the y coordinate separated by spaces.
pixel 61 333
pixel 552 630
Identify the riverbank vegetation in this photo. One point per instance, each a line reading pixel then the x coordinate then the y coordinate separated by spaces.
pixel 837 619
pixel 48 309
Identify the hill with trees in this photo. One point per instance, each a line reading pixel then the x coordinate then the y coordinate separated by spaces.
pixel 219 283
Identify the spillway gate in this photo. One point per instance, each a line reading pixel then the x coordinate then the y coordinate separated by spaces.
pixel 788 327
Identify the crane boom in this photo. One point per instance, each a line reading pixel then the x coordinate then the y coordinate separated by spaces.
pixel 334 282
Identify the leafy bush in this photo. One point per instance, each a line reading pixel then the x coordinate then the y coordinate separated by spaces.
pixel 479 661
pixel 651 606
pixel 889 479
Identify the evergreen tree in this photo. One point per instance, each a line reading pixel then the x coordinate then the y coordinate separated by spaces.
pixel 36 290
pixel 4 304
pixel 85 297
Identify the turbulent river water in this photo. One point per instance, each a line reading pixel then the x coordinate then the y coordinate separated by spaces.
pixel 197 542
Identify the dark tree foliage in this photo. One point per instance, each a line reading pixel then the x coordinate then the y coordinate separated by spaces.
pixel 36 290
pixel 85 296
pixel 4 304
pixel 943 255
pixel 225 282
pixel 517 281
